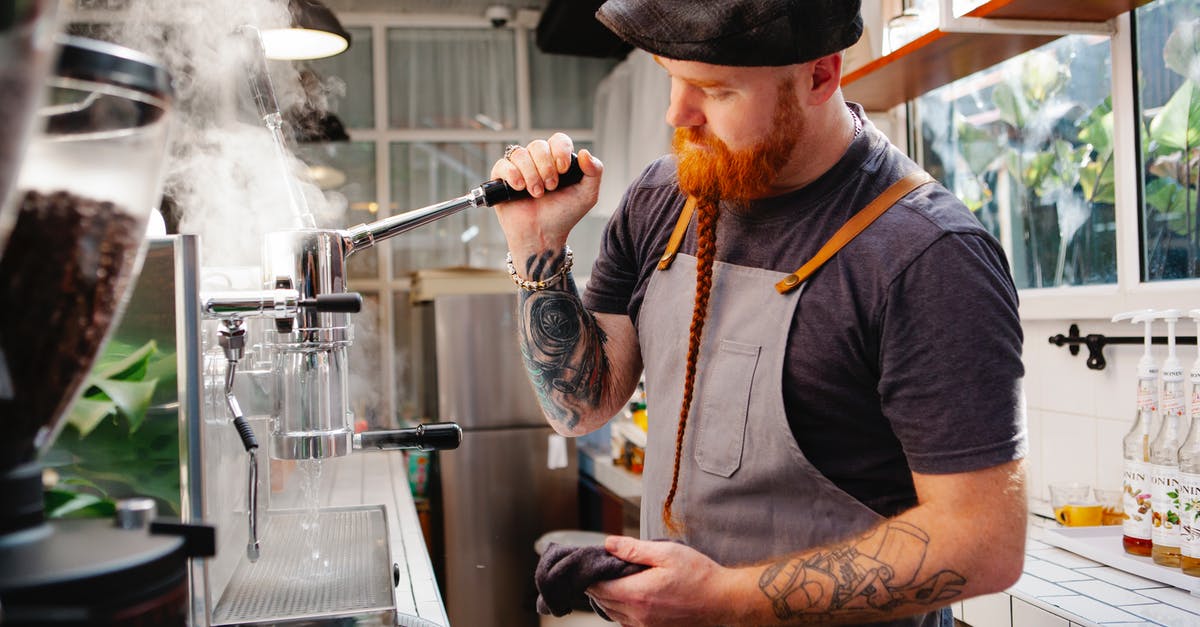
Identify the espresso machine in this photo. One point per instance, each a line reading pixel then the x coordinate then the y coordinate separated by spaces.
pixel 85 185
pixel 276 371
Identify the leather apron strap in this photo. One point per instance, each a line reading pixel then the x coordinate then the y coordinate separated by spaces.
pixel 677 235
pixel 843 236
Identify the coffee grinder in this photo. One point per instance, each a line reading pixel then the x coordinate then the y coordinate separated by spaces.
pixel 90 176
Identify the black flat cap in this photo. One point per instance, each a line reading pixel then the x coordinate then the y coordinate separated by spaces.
pixel 736 32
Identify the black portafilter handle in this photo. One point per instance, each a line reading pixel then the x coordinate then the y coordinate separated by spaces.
pixel 350 302
pixel 434 436
pixel 497 191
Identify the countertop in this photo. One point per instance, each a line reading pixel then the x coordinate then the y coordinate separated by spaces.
pixel 1089 593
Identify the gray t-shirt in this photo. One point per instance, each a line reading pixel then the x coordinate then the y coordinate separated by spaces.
pixel 905 350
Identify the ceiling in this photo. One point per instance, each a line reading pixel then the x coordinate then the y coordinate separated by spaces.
pixel 436 7
pixel 565 26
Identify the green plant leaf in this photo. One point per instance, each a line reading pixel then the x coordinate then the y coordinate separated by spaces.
pixel 1098 182
pixel 1013 110
pixel 64 504
pixel 130 367
pixel 1097 129
pixel 1167 197
pixel 1177 125
pixel 132 398
pixel 978 147
pixel 1042 76
pixel 87 413
pixel 1182 51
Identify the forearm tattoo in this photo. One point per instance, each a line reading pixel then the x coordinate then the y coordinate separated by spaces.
pixel 868 578
pixel 562 345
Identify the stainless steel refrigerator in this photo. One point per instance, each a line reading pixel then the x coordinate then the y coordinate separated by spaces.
pixel 498 491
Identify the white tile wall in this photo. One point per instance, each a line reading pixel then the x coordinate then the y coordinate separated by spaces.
pixel 1067 449
pixel 1078 416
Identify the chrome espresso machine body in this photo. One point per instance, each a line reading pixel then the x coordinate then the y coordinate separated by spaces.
pixel 285 378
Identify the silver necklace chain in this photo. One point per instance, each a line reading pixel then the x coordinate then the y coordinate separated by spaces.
pixel 858 125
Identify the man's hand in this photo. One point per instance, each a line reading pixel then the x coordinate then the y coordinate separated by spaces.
pixel 542 223
pixel 681 587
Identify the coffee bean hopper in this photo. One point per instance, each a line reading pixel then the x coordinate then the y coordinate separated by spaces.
pixel 88 180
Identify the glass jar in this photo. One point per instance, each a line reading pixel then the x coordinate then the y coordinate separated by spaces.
pixel 92 173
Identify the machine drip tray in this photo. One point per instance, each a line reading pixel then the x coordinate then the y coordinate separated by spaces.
pixel 338 567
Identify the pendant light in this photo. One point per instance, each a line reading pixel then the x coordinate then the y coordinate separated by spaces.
pixel 315 33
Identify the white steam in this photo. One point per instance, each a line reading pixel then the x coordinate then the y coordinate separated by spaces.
pixel 223 176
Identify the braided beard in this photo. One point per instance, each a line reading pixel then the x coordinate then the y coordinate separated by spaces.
pixel 709 170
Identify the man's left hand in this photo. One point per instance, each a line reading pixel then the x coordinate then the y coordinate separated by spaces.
pixel 681 587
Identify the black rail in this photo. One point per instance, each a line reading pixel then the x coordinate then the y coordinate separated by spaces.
pixel 1096 342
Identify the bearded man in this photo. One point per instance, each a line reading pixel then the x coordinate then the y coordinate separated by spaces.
pixel 830 340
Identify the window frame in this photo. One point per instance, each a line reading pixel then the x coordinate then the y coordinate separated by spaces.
pixel 386 285
pixel 1101 302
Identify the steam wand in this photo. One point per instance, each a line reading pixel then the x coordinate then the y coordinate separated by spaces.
pixel 233 341
pixel 268 109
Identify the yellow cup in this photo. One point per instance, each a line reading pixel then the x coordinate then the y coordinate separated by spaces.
pixel 1080 515
pixel 1074 506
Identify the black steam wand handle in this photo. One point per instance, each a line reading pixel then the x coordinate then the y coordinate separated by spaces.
pixel 349 302
pixel 434 436
pixel 497 191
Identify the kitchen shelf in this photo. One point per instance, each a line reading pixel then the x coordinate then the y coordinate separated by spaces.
pixel 939 57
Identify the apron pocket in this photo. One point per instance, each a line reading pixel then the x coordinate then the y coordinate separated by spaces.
pixel 725 406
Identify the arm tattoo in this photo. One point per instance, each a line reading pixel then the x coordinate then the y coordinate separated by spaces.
pixel 875 574
pixel 562 345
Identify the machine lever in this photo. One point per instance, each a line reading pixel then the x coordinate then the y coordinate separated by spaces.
pixel 349 302
pixel 497 191
pixel 436 436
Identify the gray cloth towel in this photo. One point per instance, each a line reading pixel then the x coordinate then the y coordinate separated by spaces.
pixel 565 572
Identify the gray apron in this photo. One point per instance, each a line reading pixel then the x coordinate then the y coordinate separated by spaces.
pixel 746 491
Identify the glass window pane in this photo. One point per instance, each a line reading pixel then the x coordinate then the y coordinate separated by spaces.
pixel 452 78
pixel 427 173
pixel 1169 93
pixel 563 87
pixel 345 172
pixel 1027 145
pixel 348 77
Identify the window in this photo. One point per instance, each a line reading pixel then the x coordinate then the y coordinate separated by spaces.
pixel 429 107
pixel 563 88
pixel 1027 145
pixel 425 173
pixel 1169 122
pixel 452 78
pixel 347 79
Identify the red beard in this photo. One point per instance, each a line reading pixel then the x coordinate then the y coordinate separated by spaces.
pixel 709 170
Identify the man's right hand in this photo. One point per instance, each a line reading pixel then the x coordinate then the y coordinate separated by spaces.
pixel 535 225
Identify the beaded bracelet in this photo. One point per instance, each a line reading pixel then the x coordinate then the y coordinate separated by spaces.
pixel 537 286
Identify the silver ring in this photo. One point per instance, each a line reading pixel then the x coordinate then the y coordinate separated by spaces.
pixel 510 149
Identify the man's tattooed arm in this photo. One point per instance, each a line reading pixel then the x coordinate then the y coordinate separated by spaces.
pixel 563 346
pixel 865 580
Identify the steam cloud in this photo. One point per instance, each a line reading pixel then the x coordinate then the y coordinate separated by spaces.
pixel 223 176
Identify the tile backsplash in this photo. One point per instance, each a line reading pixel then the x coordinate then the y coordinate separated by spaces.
pixel 1078 416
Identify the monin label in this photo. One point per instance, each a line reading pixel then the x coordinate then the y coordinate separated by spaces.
pixel 1189 514
pixel 1136 500
pixel 1164 490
